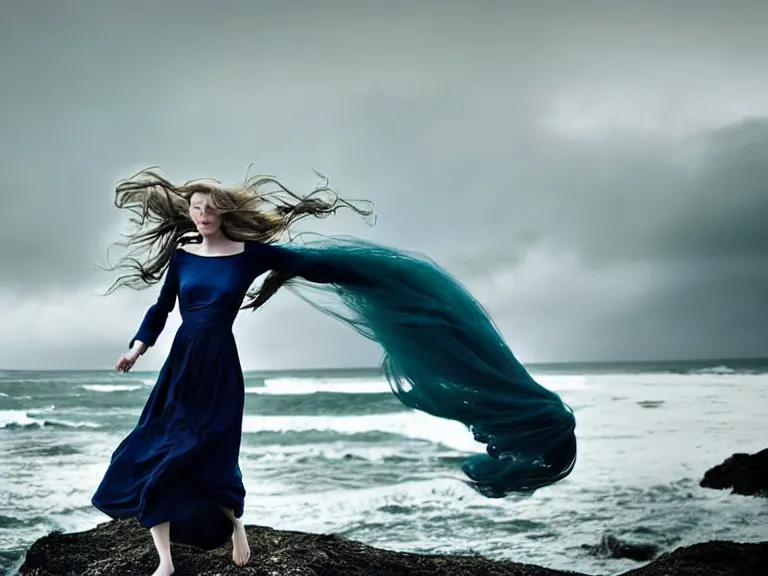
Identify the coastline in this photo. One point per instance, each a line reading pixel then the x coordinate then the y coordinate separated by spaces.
pixel 120 548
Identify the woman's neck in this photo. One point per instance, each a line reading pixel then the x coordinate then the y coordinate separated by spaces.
pixel 215 242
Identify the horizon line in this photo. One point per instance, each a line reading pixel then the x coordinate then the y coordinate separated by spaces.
pixel 713 360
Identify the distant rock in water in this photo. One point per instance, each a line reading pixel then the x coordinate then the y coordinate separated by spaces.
pixel 745 474
pixel 651 403
pixel 121 548
pixel 613 547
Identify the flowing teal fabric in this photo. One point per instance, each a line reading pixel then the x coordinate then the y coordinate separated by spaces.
pixel 443 355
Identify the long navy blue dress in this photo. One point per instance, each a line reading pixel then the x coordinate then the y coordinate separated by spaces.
pixel 180 463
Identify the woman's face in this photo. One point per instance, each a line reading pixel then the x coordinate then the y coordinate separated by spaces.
pixel 205 216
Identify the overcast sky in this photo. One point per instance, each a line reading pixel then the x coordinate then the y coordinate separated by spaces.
pixel 595 172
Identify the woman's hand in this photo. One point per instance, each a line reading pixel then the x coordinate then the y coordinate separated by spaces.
pixel 128 359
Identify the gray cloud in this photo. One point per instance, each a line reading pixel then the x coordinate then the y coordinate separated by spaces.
pixel 595 173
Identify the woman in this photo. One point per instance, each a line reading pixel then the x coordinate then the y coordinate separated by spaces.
pixel 177 471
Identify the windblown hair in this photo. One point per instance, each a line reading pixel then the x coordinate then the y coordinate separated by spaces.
pixel 261 209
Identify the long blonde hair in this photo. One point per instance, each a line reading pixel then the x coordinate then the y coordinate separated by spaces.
pixel 262 209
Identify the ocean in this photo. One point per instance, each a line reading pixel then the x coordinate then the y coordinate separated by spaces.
pixel 334 451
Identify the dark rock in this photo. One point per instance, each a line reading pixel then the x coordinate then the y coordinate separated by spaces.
pixel 710 559
pixel 612 546
pixel 123 548
pixel 745 474
pixel 651 403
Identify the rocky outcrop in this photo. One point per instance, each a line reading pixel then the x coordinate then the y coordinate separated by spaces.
pixel 611 546
pixel 710 559
pixel 123 548
pixel 745 474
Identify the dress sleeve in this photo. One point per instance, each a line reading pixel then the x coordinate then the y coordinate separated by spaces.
pixel 300 262
pixel 262 257
pixel 312 263
pixel 156 316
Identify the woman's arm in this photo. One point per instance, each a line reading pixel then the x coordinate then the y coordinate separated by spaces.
pixel 313 264
pixel 156 316
pixel 308 263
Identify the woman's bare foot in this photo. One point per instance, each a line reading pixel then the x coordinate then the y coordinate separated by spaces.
pixel 164 569
pixel 161 535
pixel 241 552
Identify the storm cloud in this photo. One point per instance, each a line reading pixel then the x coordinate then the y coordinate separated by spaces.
pixel 595 172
